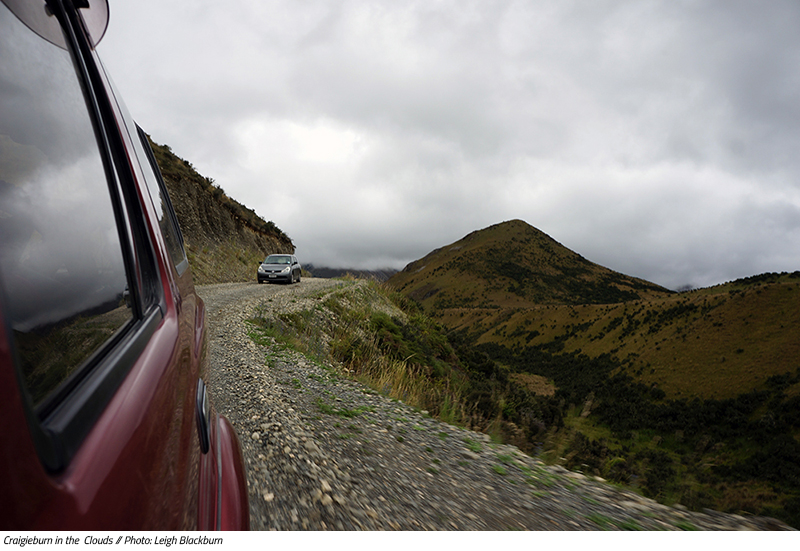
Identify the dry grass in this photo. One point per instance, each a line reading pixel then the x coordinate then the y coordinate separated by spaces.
pixel 534 383
pixel 513 265
pixel 709 344
pixel 339 332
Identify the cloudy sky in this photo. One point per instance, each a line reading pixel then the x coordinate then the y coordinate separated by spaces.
pixel 657 138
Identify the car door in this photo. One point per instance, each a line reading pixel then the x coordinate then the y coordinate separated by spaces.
pixel 101 332
pixel 296 268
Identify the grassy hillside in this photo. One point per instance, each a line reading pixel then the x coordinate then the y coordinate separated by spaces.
pixel 379 338
pixel 224 239
pixel 711 343
pixel 691 397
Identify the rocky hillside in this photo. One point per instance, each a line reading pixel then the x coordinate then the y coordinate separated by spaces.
pixel 224 239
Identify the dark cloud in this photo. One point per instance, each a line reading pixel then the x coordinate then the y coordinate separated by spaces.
pixel 657 138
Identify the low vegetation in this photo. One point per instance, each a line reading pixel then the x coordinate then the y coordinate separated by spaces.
pixel 379 338
pixel 689 397
pixel 514 265
pixel 588 412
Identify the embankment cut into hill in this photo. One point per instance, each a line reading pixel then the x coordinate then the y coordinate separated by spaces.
pixel 224 239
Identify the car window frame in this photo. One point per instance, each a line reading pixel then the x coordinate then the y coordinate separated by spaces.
pixel 183 264
pixel 59 425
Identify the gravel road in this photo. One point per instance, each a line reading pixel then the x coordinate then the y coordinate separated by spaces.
pixel 323 452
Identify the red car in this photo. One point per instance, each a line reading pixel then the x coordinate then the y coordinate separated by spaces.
pixel 106 419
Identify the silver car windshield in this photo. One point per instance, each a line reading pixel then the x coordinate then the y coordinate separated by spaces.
pixel 278 260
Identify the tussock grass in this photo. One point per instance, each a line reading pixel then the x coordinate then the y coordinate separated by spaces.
pixel 378 337
pixel 712 343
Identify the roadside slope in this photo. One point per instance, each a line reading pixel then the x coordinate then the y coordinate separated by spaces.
pixel 324 452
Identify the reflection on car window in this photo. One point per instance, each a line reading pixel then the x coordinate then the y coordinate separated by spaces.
pixel 61 263
pixel 274 259
pixel 155 184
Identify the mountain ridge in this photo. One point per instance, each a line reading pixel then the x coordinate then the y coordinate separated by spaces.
pixel 328 272
pixel 583 366
pixel 644 326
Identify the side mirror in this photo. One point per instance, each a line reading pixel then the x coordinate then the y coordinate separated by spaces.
pixel 38 17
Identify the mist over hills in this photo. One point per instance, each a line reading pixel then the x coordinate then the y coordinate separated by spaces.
pixel 326 272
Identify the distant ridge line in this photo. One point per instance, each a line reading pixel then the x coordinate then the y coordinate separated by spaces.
pixel 329 273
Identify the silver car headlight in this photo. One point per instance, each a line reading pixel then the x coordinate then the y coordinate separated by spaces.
pixel 286 270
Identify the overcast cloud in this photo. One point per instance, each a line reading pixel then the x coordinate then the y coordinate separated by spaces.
pixel 659 139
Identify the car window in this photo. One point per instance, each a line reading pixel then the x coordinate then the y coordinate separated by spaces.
pixel 62 267
pixel 167 220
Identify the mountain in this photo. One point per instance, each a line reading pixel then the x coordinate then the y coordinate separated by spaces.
pixel 512 285
pixel 514 265
pixel 691 397
pixel 225 240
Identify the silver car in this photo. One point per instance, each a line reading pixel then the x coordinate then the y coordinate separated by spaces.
pixel 279 267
